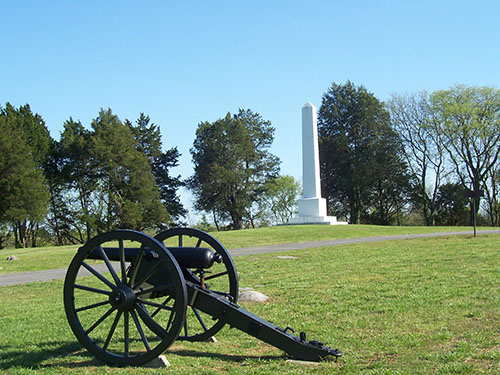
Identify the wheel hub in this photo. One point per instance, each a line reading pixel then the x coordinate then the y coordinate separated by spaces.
pixel 123 298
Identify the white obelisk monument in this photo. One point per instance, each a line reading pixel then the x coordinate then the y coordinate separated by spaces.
pixel 312 208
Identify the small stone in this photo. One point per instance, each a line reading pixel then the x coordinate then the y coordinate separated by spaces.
pixel 286 257
pixel 252 296
pixel 212 339
pixel 12 257
pixel 245 289
pixel 159 362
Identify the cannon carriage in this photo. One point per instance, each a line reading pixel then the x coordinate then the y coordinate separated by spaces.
pixel 129 296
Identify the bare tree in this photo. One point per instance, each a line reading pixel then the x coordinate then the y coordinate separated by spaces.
pixel 412 117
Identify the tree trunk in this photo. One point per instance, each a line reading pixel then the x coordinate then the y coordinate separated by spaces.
pixel 237 222
pixel 16 235
pixel 215 221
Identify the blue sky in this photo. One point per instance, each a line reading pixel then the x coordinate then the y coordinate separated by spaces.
pixel 185 62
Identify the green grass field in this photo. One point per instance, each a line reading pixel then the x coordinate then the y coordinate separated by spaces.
pixel 59 257
pixel 420 306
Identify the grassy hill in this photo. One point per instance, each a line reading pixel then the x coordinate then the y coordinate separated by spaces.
pixel 419 306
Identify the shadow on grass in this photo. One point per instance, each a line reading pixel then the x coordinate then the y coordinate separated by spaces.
pixel 56 354
pixel 48 354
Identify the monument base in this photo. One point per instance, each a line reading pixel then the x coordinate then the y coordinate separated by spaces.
pixel 315 207
pixel 325 220
pixel 313 211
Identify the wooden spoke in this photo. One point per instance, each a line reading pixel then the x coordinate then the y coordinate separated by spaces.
pixel 141 332
pixel 122 261
pixel 112 330
pixel 216 275
pixel 108 264
pixel 148 274
pixel 158 309
pixel 98 275
pixel 170 319
pixel 126 333
pixel 90 289
pixel 200 319
pixel 137 263
pixel 159 306
pixel 158 288
pixel 93 306
pixel 100 320
pixel 152 325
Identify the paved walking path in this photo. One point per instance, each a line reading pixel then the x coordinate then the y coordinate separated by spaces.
pixel 45 275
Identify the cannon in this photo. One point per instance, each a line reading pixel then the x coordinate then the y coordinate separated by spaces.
pixel 128 296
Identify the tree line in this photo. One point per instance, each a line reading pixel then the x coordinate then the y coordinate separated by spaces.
pixel 115 174
pixel 413 159
pixel 407 161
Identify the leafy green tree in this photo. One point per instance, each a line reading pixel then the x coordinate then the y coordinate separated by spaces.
pixel 281 198
pixel 360 158
pixel 232 165
pixel 23 193
pixel 493 196
pixel 128 191
pixel 148 137
pixel 469 129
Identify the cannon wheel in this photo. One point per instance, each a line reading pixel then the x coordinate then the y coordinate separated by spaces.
pixel 222 279
pixel 106 307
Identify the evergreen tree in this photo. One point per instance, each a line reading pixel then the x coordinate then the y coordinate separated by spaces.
pixel 148 137
pixel 359 156
pixel 23 193
pixel 79 173
pixel 452 205
pixel 128 191
pixel 393 188
pixel 232 165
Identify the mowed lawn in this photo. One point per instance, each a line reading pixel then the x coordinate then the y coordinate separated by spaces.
pixel 59 257
pixel 420 306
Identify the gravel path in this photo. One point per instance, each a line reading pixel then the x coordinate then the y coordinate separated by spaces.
pixel 45 275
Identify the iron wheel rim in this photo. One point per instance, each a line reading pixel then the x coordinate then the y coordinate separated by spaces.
pixel 122 297
pixel 208 327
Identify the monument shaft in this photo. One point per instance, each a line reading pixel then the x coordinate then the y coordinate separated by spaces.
pixel 312 207
pixel 310 153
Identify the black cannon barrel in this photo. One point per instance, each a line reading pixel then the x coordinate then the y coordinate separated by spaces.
pixel 195 257
pixel 187 257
